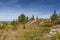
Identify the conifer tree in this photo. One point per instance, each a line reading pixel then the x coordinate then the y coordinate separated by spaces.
pixel 54 16
pixel 37 18
pixel 22 18
pixel 32 18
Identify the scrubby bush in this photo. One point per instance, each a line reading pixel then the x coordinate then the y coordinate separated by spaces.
pixel 57 22
pixel 13 22
pixel 46 25
pixel 14 25
pixel 54 16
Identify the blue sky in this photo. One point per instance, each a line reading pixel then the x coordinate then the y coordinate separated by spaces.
pixel 11 9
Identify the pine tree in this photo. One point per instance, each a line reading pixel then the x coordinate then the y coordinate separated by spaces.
pixel 13 22
pixel 22 18
pixel 27 18
pixel 32 18
pixel 54 16
pixel 37 18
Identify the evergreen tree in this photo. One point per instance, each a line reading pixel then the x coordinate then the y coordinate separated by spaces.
pixel 32 18
pixel 59 16
pixel 37 18
pixel 54 16
pixel 27 18
pixel 22 18
pixel 13 22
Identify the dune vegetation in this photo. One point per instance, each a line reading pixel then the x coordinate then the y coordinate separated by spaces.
pixel 25 28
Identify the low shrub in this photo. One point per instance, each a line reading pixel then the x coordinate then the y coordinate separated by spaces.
pixel 57 22
pixel 46 25
pixel 13 22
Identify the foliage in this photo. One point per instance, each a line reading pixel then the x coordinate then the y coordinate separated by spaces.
pixel 46 25
pixel 54 16
pixel 22 18
pixel 57 22
pixel 13 22
pixel 27 18
pixel 32 18
pixel 37 18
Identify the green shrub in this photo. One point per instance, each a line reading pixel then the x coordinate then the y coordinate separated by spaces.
pixel 22 19
pixel 13 22
pixel 14 25
pixel 57 22
pixel 46 29
pixel 54 16
pixel 32 18
pixel 46 25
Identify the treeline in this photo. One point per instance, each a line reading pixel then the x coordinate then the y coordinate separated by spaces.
pixel 22 19
pixel 55 19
